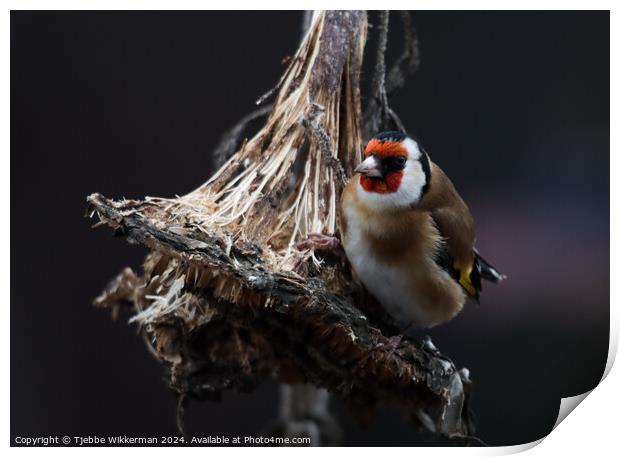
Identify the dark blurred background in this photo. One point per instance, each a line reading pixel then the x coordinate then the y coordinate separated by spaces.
pixel 513 105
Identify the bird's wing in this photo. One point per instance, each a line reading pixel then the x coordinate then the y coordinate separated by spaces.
pixel 457 255
pixel 456 226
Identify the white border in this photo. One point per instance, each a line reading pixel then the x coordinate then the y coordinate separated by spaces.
pixel 592 427
pixel 275 5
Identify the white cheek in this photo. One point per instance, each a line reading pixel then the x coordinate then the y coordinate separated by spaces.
pixel 408 193
pixel 414 180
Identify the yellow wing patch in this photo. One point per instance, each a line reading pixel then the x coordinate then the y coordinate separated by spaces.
pixel 465 277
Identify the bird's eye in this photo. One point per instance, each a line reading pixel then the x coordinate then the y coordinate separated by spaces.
pixel 400 160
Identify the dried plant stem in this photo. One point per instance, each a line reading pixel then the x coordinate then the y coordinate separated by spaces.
pixel 378 114
pixel 247 198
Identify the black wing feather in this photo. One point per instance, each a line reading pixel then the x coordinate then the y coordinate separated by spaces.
pixel 488 271
pixel 481 270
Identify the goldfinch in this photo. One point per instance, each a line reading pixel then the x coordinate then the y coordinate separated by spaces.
pixel 409 235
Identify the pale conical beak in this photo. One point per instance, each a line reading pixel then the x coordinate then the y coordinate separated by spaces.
pixel 369 167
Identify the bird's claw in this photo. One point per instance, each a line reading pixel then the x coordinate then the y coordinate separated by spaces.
pixel 320 242
pixel 389 344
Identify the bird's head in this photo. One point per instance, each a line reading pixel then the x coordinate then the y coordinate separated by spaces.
pixel 395 172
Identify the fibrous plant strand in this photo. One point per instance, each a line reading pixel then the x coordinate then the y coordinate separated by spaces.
pixel 252 196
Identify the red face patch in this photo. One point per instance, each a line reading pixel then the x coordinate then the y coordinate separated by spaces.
pixel 385 148
pixel 391 181
pixel 389 184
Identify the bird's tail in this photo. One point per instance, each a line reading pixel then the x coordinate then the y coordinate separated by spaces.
pixel 488 271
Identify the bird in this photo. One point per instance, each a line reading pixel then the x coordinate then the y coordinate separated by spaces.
pixel 408 234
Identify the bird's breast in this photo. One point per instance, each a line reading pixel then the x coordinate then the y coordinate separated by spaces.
pixel 393 256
